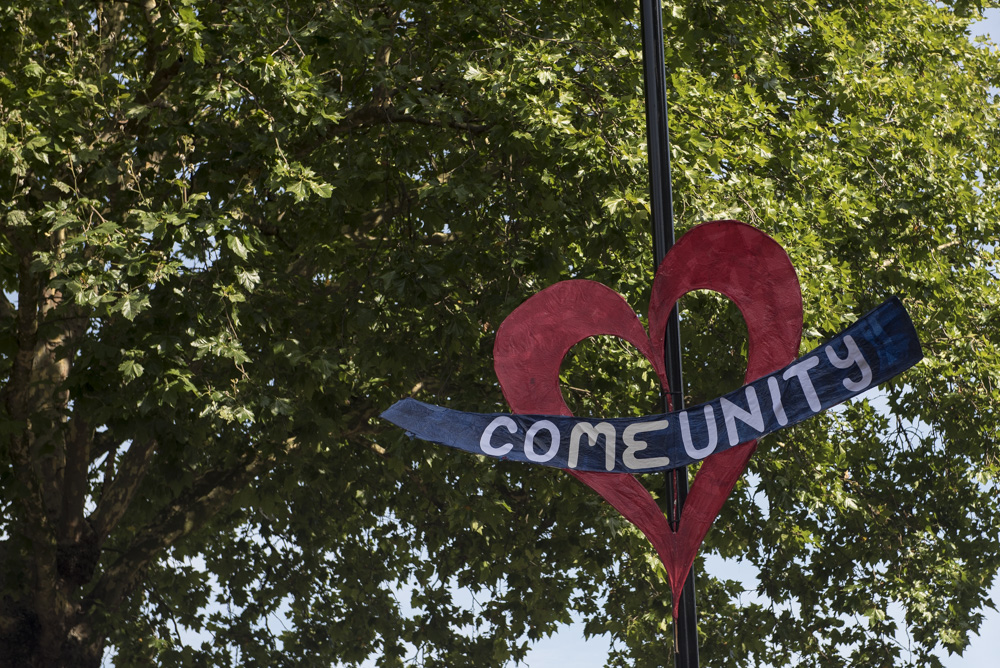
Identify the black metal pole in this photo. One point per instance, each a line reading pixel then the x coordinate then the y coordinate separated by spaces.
pixel 661 208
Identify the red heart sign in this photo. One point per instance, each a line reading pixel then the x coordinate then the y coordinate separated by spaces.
pixel 726 256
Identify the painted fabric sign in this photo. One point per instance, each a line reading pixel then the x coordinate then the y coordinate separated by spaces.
pixel 726 256
pixel 879 346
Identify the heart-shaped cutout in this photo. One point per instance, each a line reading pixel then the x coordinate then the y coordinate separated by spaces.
pixel 726 256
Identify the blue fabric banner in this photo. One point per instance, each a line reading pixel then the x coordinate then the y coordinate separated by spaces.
pixel 878 347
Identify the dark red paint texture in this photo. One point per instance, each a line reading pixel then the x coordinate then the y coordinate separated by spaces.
pixel 726 256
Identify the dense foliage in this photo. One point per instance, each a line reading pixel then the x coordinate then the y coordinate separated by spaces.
pixel 233 232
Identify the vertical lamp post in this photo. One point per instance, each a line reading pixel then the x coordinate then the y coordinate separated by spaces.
pixel 661 207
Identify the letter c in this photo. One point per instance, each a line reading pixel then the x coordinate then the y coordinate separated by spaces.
pixel 484 441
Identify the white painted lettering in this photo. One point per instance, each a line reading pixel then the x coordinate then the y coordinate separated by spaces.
pixel 801 371
pixel 854 356
pixel 529 441
pixel 731 412
pixel 484 441
pixel 776 405
pixel 713 435
pixel 592 432
pixel 634 445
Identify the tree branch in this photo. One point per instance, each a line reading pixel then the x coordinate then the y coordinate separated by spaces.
pixel 119 494
pixel 375 115
pixel 161 79
pixel 74 479
pixel 207 496
pixel 104 443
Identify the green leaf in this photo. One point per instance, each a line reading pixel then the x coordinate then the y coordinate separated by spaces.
pixel 236 245
pixel 131 305
pixel 130 369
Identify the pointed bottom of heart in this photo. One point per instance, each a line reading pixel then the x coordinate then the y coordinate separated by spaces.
pixel 676 549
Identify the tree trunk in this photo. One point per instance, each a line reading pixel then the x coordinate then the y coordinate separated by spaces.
pixel 30 639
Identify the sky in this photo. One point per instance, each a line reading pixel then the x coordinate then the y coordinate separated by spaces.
pixel 569 648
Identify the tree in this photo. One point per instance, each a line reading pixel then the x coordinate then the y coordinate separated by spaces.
pixel 234 232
